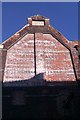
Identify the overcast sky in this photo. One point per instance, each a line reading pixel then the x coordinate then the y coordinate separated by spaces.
pixel 63 16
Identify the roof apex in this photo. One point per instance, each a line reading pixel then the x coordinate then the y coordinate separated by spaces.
pixel 36 23
pixel 38 20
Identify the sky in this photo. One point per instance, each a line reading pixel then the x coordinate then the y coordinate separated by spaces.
pixel 63 16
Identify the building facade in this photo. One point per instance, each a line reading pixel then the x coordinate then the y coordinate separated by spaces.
pixel 38 62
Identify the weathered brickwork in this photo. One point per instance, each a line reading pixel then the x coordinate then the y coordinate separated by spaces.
pixel 53 59
pixel 20 60
pixel 40 49
pixel 58 62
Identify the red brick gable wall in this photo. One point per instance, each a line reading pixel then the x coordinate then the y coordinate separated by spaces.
pixel 38 48
pixel 52 59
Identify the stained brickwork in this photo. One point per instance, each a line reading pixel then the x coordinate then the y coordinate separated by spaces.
pixel 59 63
pixel 20 60
pixel 37 49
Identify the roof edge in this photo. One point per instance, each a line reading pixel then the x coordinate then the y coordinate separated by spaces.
pixel 46 28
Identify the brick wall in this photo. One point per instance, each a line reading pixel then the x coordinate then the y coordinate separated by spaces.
pixel 38 48
pixel 52 59
pixel 20 60
pixel 57 61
